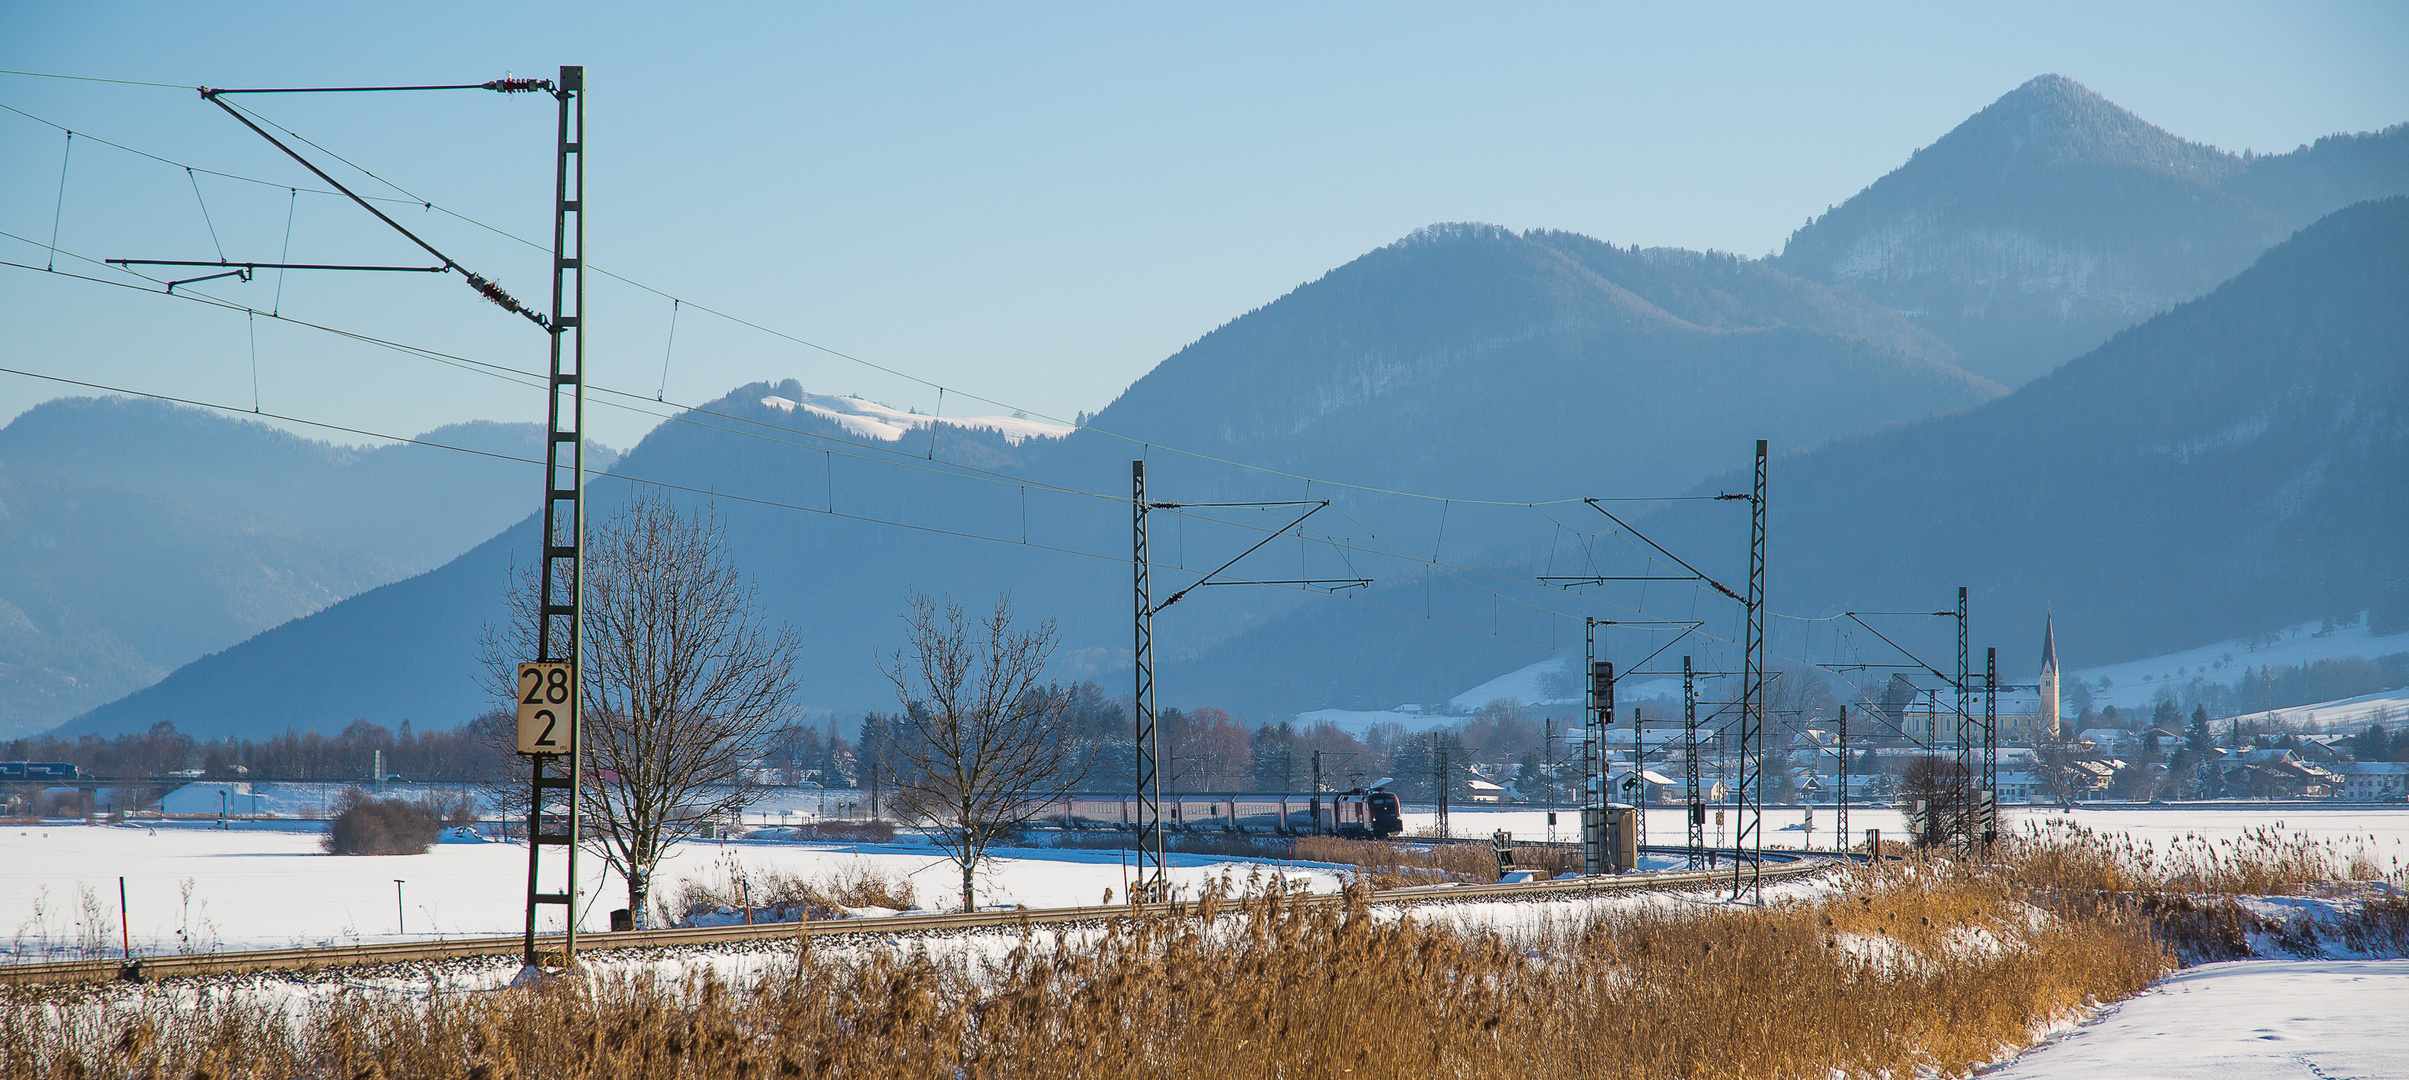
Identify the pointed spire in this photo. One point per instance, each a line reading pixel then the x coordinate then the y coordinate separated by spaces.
pixel 2049 645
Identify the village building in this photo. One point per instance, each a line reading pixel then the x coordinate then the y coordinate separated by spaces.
pixel 2374 781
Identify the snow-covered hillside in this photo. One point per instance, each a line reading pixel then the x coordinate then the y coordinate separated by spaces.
pixel 871 420
pixel 2134 683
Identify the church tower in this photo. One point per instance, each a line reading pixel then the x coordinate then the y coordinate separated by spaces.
pixel 2047 722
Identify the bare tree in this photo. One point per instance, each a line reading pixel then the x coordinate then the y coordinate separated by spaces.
pixel 980 744
pixel 2053 758
pixel 682 682
pixel 1934 796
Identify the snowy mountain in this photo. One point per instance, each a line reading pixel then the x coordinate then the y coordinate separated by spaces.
pixel 1462 359
pixel 2053 218
pixel 867 419
pixel 2214 470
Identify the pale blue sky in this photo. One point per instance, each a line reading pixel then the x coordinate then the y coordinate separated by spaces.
pixel 1032 204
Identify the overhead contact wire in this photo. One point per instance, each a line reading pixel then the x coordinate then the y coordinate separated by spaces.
pixel 411 197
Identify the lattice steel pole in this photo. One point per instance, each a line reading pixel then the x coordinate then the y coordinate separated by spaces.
pixel 1962 826
pixel 1152 883
pixel 1594 720
pixel 1696 808
pixel 1750 801
pixel 1990 747
pixel 561 579
pixel 1639 782
pixel 1840 743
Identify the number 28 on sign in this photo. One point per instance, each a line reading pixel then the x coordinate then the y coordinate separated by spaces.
pixel 547 708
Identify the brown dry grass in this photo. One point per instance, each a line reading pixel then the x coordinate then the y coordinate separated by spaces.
pixel 1919 966
pixel 2188 888
pixel 1394 864
pixel 2265 861
pixel 1906 968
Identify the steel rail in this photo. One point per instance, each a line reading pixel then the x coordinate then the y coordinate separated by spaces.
pixel 253 961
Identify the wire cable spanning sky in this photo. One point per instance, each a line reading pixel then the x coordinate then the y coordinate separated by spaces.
pixel 1031 207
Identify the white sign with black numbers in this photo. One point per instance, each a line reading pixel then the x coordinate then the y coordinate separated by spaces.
pixel 547 708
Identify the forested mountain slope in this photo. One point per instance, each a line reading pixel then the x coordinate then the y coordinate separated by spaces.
pixel 2236 465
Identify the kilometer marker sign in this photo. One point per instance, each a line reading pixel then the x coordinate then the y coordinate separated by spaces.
pixel 547 708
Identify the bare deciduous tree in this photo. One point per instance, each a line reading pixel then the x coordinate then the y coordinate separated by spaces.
pixel 980 743
pixel 1935 797
pixel 682 682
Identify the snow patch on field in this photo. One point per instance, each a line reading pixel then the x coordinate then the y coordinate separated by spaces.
pixel 2243 1020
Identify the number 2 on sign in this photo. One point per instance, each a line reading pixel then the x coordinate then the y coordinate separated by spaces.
pixel 547 698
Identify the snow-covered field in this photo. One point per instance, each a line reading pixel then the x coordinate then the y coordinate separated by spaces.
pixel 1786 827
pixel 202 889
pixel 197 888
pixel 2242 1020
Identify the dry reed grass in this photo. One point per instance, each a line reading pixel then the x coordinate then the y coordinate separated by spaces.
pixel 1382 864
pixel 1920 966
pixel 2188 888
pixel 1927 966
pixel 2265 861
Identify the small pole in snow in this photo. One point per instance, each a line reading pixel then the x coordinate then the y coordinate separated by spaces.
pixel 123 927
pixel 398 925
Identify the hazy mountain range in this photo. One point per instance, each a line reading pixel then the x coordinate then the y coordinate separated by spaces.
pixel 1484 371
pixel 143 535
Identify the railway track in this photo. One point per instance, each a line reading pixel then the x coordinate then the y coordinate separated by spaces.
pixel 1790 866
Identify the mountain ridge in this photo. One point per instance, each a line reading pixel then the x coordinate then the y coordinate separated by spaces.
pixel 1460 356
pixel 144 535
pixel 2048 220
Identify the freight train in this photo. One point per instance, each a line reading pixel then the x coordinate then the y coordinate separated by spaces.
pixel 1360 813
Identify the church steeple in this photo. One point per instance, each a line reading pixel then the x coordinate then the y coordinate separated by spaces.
pixel 2048 718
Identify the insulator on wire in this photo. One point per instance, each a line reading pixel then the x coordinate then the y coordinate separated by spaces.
pixel 518 86
pixel 494 292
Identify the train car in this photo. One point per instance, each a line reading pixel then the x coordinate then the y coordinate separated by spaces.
pixel 1095 812
pixel 1259 813
pixel 1196 813
pixel 1372 813
pixel 38 770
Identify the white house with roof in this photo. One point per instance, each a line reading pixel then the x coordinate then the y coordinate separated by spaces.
pixel 2017 787
pixel 2374 780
